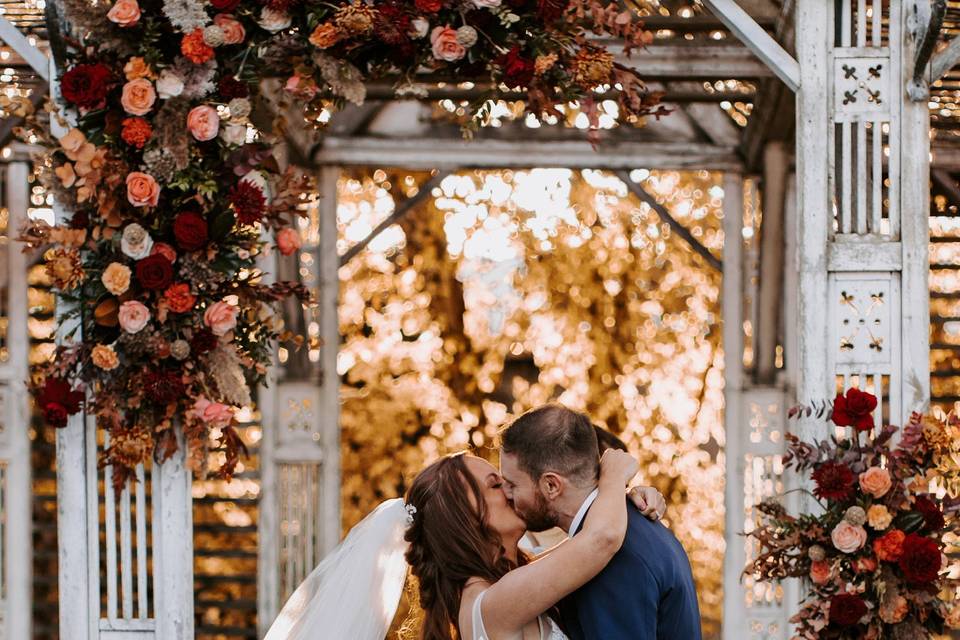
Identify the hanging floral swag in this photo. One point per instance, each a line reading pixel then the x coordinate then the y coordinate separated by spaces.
pixel 873 555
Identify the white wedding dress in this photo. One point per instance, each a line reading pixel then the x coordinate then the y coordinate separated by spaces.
pixel 548 628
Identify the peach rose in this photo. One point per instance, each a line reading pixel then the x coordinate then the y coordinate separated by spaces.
pixel 104 357
pixel 445 44
pixel 889 547
pixel 124 13
pixel 220 317
pixel 203 122
pixel 819 572
pixel 878 517
pixel 875 481
pixel 214 414
pixel 137 67
pixel 116 278
pixel 847 537
pixel 133 316
pixel 138 97
pixel 288 241
pixel 142 190
pixel 165 250
pixel 233 31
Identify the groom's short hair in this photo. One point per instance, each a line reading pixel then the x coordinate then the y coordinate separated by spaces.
pixel 554 438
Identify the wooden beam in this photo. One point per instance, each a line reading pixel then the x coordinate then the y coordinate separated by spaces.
pixel 776 167
pixel 945 60
pixel 8 125
pixel 783 65
pixel 947 184
pixel 673 223
pixel 19 43
pixel 692 62
pixel 401 210
pixel 450 153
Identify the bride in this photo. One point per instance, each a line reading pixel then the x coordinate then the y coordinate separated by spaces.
pixel 460 537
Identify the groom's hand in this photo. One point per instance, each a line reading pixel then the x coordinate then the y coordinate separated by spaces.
pixel 649 501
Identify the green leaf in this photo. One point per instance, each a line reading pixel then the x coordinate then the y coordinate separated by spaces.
pixel 222 225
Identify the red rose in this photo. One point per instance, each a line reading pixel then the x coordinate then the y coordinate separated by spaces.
pixel 921 559
pixel 85 85
pixel 428 6
pixel 154 272
pixel 846 609
pixel 834 481
pixel 162 387
pixel 190 230
pixel 58 401
pixel 517 71
pixel 224 6
pixel 932 516
pixel 855 410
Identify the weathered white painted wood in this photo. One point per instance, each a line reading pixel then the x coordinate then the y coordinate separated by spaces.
pixel 110 525
pixel 173 546
pixel 427 153
pixel 143 611
pixel 864 256
pixel 876 176
pixel 689 61
pixel 776 162
pixel 758 40
pixel 126 555
pixel 22 47
pixel 16 489
pixel 943 61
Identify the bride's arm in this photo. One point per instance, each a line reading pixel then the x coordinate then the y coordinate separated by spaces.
pixel 524 593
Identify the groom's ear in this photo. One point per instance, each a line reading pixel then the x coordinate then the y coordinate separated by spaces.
pixel 551 485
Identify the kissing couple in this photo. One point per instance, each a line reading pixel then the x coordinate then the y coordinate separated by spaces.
pixel 619 575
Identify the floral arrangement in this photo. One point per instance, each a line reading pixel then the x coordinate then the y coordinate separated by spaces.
pixel 873 557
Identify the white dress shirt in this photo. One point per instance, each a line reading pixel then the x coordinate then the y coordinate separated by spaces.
pixel 582 512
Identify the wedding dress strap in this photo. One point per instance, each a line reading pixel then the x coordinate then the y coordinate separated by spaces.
pixel 479 631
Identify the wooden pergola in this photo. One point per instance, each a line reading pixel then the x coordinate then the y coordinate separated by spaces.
pixel 842 110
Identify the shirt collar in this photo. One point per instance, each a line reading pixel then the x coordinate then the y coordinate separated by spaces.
pixel 582 513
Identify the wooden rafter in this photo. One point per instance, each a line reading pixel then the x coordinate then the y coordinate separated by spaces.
pixel 19 43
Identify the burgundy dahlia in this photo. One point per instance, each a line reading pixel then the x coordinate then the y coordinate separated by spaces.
pixel 248 202
pixel 834 480
pixel 229 88
pixel 392 25
pixel 921 559
pixel 163 387
pixel 932 516
pixel 86 85
pixel 846 609
pixel 855 410
pixel 204 341
pixel 58 400
pixel 517 70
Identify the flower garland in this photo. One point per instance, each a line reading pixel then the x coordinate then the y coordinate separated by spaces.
pixel 874 556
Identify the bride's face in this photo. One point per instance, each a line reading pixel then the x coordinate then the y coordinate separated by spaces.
pixel 500 516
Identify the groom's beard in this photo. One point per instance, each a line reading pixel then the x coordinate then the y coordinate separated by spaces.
pixel 540 517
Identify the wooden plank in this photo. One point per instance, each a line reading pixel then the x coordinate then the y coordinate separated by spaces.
pixel 776 163
pixel 864 256
pixel 446 153
pixel 689 62
pixel 126 555
pixel 945 60
pixel 783 65
pixel 142 544
pixel 110 524
pixel 19 43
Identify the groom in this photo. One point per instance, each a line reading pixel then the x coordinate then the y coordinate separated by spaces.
pixel 549 460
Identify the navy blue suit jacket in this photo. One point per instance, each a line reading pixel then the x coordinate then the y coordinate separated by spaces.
pixel 645 593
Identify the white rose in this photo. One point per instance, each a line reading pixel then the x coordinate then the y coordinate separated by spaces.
pixel 234 134
pixel 486 4
pixel 136 243
pixel 419 28
pixel 239 108
pixel 467 36
pixel 274 21
pixel 169 84
pixel 258 180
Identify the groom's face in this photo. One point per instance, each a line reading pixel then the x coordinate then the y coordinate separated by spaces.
pixel 525 496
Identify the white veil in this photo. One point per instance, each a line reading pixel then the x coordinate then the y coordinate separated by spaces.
pixel 354 592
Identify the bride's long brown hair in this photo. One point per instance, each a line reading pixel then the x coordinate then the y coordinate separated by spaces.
pixel 450 542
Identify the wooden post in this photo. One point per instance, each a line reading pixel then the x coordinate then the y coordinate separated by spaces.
pixel 16 543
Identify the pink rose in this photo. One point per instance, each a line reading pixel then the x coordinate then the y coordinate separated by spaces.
pixel 133 316
pixel 233 31
pixel 875 481
pixel 819 572
pixel 847 537
pixel 165 250
pixel 288 241
pixel 124 13
pixel 215 414
pixel 142 190
pixel 220 317
pixel 445 44
pixel 138 97
pixel 203 122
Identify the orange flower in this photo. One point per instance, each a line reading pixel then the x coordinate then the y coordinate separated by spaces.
pixel 194 48
pixel 325 36
pixel 179 298
pixel 889 547
pixel 136 132
pixel 104 357
pixel 137 67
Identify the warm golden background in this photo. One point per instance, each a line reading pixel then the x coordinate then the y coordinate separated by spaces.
pixel 507 289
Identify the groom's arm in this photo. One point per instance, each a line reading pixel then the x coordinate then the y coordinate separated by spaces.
pixel 620 603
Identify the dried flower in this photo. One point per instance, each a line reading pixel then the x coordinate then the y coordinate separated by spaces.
pixel 355 19
pixel 65 268
pixel 592 67
pixel 544 63
pixel 105 357
pixel 213 36
pixel 325 35
pixel 855 515
pixel 180 349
